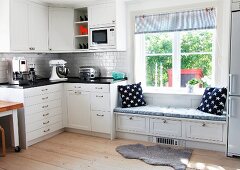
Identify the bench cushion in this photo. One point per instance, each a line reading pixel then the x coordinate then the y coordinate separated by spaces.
pixel 187 113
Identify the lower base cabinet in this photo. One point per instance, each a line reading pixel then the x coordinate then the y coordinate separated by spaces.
pixel 193 130
pixel 100 121
pixel 78 107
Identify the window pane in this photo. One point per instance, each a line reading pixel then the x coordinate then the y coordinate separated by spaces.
pixel 159 69
pixel 158 43
pixel 196 66
pixel 196 41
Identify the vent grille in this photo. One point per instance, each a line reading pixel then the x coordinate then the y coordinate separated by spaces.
pixel 166 141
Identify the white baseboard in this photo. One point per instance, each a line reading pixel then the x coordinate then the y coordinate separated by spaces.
pixel 188 144
pixel 84 132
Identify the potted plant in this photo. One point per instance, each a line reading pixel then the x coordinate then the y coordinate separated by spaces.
pixel 191 84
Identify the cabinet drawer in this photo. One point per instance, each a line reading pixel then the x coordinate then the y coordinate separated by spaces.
pixel 136 124
pixel 205 131
pixel 77 86
pixel 42 98
pixel 166 127
pixel 30 118
pixel 42 90
pixel 43 123
pixel 101 88
pixel 100 121
pixel 43 107
pixel 100 101
pixel 44 131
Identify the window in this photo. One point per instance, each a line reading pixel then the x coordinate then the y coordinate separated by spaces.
pixel 172 59
pixel 173 48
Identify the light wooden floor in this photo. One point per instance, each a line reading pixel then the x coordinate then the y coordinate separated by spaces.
pixel 80 152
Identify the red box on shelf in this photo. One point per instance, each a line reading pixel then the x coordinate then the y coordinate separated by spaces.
pixel 83 30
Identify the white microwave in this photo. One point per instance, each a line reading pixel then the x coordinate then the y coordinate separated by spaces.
pixel 102 38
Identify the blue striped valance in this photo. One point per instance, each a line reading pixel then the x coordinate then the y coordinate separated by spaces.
pixel 178 21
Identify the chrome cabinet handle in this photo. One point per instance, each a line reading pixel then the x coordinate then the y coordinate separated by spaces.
pixel 204 124
pixel 164 121
pixel 46 130
pixel 44 90
pixel 99 96
pixel 98 88
pixel 100 115
pixel 45 122
pixel 77 92
pixel 44 98
pixel 45 106
pixel 77 87
pixel 131 118
pixel 230 83
pixel 45 114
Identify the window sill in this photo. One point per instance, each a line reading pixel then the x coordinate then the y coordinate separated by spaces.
pixel 172 91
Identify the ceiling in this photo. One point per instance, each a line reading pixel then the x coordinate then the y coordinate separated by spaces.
pixel 74 3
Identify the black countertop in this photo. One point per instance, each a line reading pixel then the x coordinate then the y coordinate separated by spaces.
pixel 44 82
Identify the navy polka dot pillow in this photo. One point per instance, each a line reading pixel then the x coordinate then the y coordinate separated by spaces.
pixel 213 101
pixel 131 95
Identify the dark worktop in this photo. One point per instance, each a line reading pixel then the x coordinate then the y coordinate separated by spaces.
pixel 44 82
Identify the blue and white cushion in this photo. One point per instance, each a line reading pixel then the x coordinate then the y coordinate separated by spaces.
pixel 131 95
pixel 213 101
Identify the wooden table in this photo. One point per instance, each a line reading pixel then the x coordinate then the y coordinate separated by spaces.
pixel 10 108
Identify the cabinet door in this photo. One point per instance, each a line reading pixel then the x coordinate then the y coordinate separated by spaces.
pixel 103 14
pixel 61 29
pixel 79 115
pixel 38 27
pixel 19 26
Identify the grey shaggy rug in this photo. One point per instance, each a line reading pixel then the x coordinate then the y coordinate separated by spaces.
pixel 157 155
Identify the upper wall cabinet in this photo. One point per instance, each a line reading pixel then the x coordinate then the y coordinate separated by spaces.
pixel 23 26
pixel 61 29
pixel 102 14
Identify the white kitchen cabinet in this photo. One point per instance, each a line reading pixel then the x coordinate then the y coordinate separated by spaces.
pixel 78 108
pixel 102 14
pixel 61 32
pixel 38 27
pixel 100 121
pixel 19 26
pixel 24 26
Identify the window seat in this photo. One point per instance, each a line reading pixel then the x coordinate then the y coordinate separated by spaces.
pixel 187 113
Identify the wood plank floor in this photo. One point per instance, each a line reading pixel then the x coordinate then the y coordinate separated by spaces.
pixel 80 152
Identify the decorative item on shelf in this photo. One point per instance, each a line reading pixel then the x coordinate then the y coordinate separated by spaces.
pixel 85 18
pixel 83 30
pixel 83 46
pixel 193 83
pixel 81 18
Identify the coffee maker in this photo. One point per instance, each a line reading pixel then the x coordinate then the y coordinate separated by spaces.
pixel 19 71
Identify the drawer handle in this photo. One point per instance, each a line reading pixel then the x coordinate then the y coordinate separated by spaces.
pixel 98 88
pixel 77 92
pixel 77 87
pixel 45 106
pixel 204 124
pixel 99 96
pixel 131 118
pixel 164 121
pixel 100 115
pixel 44 89
pixel 45 114
pixel 44 98
pixel 46 130
pixel 45 122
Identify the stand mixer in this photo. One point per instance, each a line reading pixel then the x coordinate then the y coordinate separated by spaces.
pixel 59 71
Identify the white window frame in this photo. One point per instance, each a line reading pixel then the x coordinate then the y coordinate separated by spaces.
pixel 140 61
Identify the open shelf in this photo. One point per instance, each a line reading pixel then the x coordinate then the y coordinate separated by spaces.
pixel 81 29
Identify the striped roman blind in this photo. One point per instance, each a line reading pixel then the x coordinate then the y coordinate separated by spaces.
pixel 178 21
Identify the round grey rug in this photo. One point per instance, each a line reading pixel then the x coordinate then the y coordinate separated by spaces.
pixel 177 158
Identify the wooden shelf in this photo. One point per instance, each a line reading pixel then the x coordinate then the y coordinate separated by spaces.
pixel 79 36
pixel 81 22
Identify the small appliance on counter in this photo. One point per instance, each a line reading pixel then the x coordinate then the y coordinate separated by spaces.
pixel 32 73
pixel 19 71
pixel 59 71
pixel 89 72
